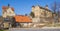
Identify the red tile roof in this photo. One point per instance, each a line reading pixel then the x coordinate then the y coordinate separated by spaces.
pixel 23 19
pixel 5 7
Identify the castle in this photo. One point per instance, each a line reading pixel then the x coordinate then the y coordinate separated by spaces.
pixel 43 14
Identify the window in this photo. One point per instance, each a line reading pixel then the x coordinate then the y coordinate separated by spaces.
pixel 6 19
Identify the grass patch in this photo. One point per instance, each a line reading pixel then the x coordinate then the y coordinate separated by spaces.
pixel 1 30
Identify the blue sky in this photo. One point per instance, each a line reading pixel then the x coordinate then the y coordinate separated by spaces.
pixel 22 7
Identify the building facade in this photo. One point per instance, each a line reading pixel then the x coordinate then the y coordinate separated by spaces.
pixel 41 13
pixel 7 11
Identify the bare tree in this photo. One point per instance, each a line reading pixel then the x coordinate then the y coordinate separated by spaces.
pixel 55 7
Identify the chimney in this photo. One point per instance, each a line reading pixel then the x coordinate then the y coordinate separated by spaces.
pixel 46 6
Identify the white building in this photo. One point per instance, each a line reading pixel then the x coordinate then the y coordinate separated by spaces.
pixel 41 13
pixel 7 11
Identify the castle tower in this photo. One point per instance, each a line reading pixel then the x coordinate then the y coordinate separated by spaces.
pixel 33 8
pixel 36 10
pixel 46 6
pixel 7 11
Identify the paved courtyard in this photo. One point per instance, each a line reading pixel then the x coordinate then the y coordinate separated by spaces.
pixel 35 29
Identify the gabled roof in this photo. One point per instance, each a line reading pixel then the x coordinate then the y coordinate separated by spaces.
pixel 22 19
pixel 5 7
